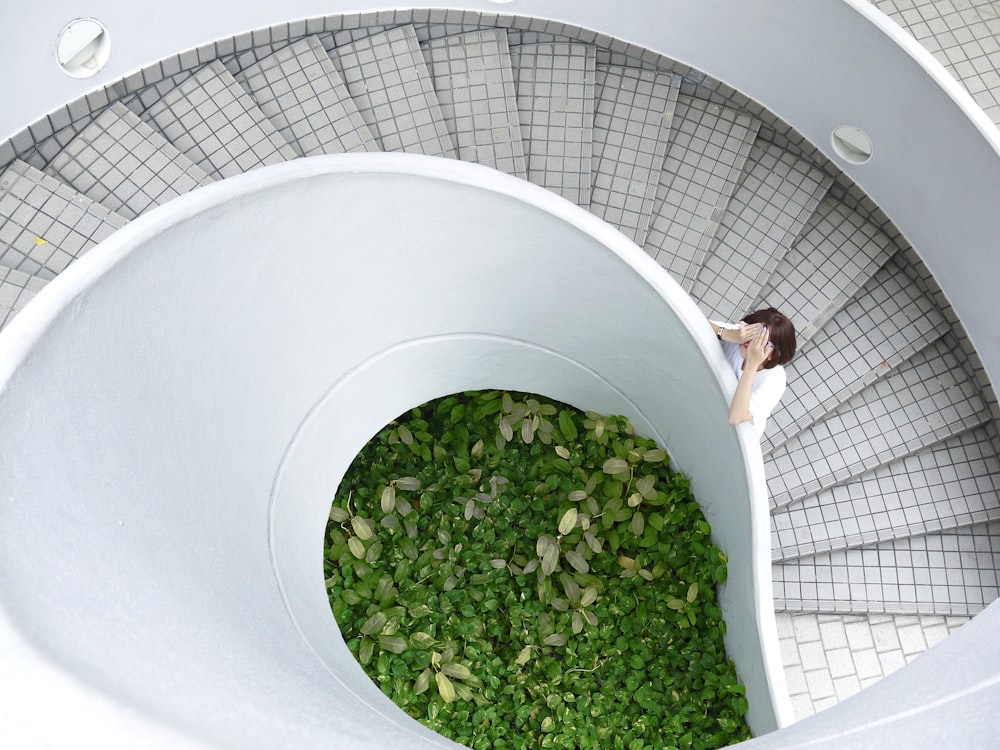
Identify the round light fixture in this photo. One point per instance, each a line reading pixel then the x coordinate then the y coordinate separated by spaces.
pixel 83 47
pixel 852 144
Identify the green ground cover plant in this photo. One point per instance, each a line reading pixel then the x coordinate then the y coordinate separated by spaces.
pixel 515 573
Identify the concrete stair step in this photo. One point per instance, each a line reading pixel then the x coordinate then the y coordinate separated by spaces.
pixel 124 164
pixel 474 83
pixel 836 254
pixel 930 398
pixel 302 94
pixel 887 322
pixel 16 290
pixel 392 88
pixel 45 224
pixel 778 194
pixel 708 150
pixel 633 116
pixel 555 104
pixel 215 123
pixel 946 486
pixel 941 573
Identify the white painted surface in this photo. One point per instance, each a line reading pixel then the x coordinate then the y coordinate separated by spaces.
pixel 815 64
pixel 177 409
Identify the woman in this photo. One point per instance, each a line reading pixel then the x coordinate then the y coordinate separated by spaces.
pixel 757 347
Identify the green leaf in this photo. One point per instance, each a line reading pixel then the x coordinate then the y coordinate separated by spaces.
pixel 445 688
pixel 555 639
pixel 392 643
pixel 593 542
pixel 506 430
pixel 692 592
pixel 577 561
pixel 550 559
pixel 409 484
pixel 568 521
pixel 365 651
pixel 420 639
pixel 456 671
pixel 388 500
pixel 527 431
pixel 638 524
pixel 543 543
pixel 423 682
pixel 361 528
pixel 645 487
pixel 357 547
pixel 374 623
pixel 567 427
pixel 614 466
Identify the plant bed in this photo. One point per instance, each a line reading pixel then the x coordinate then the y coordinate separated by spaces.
pixel 515 573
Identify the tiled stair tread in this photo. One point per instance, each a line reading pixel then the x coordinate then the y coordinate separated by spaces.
pixel 127 166
pixel 929 399
pixel 942 573
pixel 555 104
pixel 474 84
pixel 302 94
pixel 632 122
pixel 45 224
pixel 708 149
pixel 838 251
pixel 950 484
pixel 16 290
pixel 887 322
pixel 392 88
pixel 216 124
pixel 767 212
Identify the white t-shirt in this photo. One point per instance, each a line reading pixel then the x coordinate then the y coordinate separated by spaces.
pixel 768 386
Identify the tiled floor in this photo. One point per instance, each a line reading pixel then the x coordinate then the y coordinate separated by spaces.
pixel 828 658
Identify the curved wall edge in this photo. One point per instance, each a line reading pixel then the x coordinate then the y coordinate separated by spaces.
pixel 228 306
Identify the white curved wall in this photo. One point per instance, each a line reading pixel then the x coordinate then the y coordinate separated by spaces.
pixel 177 409
pixel 817 65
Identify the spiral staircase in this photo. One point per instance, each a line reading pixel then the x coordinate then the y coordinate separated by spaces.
pixel 883 462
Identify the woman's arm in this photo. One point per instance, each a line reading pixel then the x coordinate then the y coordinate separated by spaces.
pixel 757 353
pixel 734 334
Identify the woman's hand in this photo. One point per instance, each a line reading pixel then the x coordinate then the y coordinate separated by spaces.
pixel 759 349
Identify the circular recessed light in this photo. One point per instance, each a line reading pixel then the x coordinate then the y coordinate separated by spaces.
pixel 83 47
pixel 852 144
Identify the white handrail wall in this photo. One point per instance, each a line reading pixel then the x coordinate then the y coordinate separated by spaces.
pixel 177 408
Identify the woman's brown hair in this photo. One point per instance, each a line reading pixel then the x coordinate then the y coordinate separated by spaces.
pixel 781 333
